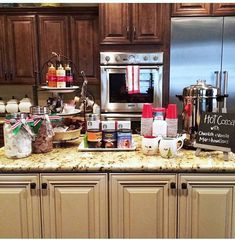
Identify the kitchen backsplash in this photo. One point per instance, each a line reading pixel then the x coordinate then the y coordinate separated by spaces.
pixel 19 91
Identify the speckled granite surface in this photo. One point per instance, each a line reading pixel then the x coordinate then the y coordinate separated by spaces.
pixel 70 160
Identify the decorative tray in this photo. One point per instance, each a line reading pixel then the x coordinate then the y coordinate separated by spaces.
pixel 81 148
pixel 75 112
pixel 60 90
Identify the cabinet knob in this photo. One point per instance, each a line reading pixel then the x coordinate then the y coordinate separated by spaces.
pixel 184 185
pixel 33 185
pixel 44 185
pixel 173 185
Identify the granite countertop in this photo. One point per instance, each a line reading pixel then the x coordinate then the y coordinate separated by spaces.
pixel 68 159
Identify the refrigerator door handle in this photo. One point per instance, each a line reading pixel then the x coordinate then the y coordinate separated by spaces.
pixel 218 85
pixel 224 109
pixel 218 79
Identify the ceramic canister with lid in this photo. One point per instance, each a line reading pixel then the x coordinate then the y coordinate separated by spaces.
pixel 12 106
pixel 2 106
pixel 25 104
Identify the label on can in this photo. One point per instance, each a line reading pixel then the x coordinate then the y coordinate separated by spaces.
pixel 124 139
pixel 94 138
pixel 108 125
pixel 93 125
pixel 109 139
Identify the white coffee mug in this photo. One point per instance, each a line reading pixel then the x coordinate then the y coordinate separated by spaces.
pixel 150 145
pixel 168 146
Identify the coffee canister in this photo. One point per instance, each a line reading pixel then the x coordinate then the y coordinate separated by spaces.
pixel 94 138
pixel 124 138
pixel 109 138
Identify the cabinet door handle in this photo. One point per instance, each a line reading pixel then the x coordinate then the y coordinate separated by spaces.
pixel 173 185
pixel 127 31
pixel 184 186
pixel 134 32
pixel 44 185
pixel 5 75
pixel 11 76
pixel 33 185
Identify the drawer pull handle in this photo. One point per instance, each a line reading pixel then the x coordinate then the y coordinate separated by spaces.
pixel 44 185
pixel 33 185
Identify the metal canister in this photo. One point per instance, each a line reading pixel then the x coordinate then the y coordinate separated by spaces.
pixel 94 138
pixel 109 138
pixel 124 138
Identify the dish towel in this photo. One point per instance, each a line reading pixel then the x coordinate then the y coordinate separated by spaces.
pixel 133 79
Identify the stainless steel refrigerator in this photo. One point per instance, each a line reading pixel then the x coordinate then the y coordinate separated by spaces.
pixel 201 46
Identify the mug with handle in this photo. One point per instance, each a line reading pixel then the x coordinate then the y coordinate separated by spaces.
pixel 168 146
pixel 150 145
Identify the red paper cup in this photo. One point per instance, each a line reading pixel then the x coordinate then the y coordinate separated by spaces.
pixel 147 111
pixel 171 111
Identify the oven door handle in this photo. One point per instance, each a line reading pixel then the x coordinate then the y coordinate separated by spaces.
pixel 123 67
pixel 121 115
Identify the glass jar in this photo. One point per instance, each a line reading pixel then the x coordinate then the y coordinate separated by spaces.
pixel 17 136
pixel 43 129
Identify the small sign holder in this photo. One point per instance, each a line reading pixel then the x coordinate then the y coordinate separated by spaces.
pixel 200 146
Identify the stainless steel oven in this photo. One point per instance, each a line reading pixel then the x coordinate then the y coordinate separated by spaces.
pixel 114 94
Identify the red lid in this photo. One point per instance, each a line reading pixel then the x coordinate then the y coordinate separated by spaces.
pixel 171 111
pixel 147 111
pixel 159 109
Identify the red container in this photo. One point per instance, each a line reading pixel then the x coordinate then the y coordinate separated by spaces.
pixel 171 111
pixel 147 111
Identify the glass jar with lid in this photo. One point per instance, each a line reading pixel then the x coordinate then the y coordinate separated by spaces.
pixel 17 136
pixel 43 129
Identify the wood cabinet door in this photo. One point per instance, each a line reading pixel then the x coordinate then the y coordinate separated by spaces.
pixel 3 65
pixel 84 36
pixel 53 37
pixel 224 8
pixel 142 206
pixel 19 207
pixel 115 23
pixel 207 206
pixel 75 206
pixel 147 25
pixel 22 49
pixel 190 9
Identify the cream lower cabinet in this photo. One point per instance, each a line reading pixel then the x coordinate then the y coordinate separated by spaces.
pixel 74 205
pixel 206 206
pixel 19 206
pixel 143 205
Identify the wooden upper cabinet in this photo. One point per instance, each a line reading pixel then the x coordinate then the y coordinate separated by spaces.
pixel 115 23
pixel 21 45
pixel 131 23
pixel 190 9
pixel 224 8
pixel 53 37
pixel 147 23
pixel 200 9
pixel 3 71
pixel 85 45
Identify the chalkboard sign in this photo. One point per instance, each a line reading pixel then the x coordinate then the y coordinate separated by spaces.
pixel 216 131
